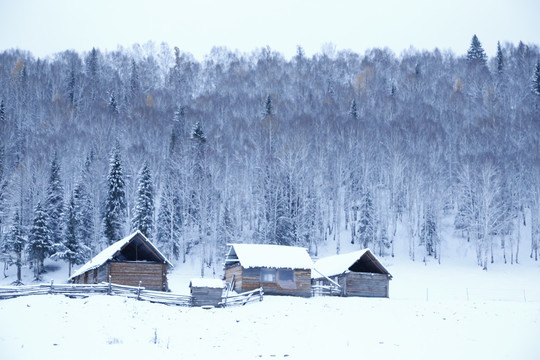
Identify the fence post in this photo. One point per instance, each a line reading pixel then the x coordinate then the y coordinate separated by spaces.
pixel 139 291
pixel 109 291
pixel 51 290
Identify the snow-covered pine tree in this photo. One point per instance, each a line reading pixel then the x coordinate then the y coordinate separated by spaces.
pixel 54 204
pixel 198 134
pixel 113 104
pixel 178 127
pixel 143 218
pixel 92 63
pixel 353 111
pixel 92 72
pixel 226 230
pixel 70 86
pixel 15 243
pixel 134 82
pixel 74 252
pixel 476 54
pixel 202 196
pixel 500 58
pixel 2 114
pixel 466 218
pixel 366 222
pixel 284 222
pixel 114 217
pixel 40 244
pixel 3 186
pixel 84 210
pixel 268 107
pixel 536 79
pixel 429 234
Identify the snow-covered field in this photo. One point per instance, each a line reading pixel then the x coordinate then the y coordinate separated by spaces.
pixel 447 311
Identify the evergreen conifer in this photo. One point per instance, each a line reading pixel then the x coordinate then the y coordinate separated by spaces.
pixel 15 242
pixel 536 79
pixel 83 212
pixel 144 207
pixel 500 58
pixel 476 54
pixel 115 203
pixel 74 252
pixel 366 224
pixel 40 244
pixel 54 204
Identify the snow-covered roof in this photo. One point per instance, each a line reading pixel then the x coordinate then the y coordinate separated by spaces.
pixel 209 283
pixel 269 256
pixel 339 264
pixel 111 251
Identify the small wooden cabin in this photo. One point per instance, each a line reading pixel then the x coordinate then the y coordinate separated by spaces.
pixel 279 270
pixel 358 273
pixel 129 261
pixel 206 291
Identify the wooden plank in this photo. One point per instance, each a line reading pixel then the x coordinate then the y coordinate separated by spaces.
pixel 236 271
pixel 367 285
pixel 151 275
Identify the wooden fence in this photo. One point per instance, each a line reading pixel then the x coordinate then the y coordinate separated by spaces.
pixel 243 298
pixel 326 290
pixel 136 292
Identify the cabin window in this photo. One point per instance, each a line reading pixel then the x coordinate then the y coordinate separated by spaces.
pixel 286 275
pixel 286 279
pixel 268 275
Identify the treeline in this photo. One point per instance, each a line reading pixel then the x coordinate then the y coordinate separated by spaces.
pixel 257 148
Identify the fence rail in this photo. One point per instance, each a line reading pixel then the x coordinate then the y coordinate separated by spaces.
pixel 243 298
pixel 136 292
pixel 325 290
pixel 84 290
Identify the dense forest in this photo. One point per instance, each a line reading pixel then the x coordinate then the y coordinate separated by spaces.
pixel 257 148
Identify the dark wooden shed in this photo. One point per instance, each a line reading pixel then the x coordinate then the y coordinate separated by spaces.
pixel 279 270
pixel 206 291
pixel 129 261
pixel 358 273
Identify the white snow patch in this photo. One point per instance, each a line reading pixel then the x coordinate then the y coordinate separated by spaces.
pixel 269 256
pixel 317 328
pixel 209 283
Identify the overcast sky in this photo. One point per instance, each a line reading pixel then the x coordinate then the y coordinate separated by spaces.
pixel 48 26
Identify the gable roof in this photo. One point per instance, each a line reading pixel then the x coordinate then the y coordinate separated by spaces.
pixel 334 265
pixel 115 249
pixel 269 256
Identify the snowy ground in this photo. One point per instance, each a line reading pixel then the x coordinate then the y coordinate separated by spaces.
pixel 453 310
pixel 427 316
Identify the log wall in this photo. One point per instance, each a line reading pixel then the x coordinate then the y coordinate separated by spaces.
pixel 365 284
pixel 250 279
pixel 235 270
pixel 153 276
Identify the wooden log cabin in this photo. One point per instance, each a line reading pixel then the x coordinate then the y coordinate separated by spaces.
pixel 358 273
pixel 279 270
pixel 129 261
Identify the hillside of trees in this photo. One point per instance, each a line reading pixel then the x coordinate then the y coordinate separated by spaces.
pixel 257 148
